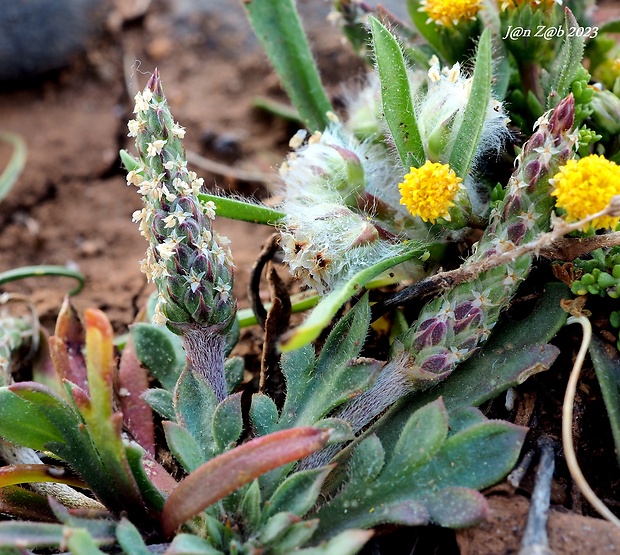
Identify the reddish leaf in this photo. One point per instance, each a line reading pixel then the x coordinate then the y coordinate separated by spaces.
pixel 224 474
pixel 132 383
pixel 66 346
pixel 158 474
pixel 43 370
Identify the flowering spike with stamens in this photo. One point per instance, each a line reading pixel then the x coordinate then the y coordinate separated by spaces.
pixel 188 262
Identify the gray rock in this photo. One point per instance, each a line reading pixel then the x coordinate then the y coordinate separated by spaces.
pixel 37 36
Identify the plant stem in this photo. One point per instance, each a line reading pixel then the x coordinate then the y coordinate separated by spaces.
pixel 204 347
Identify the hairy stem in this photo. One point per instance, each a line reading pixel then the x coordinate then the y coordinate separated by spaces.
pixel 204 347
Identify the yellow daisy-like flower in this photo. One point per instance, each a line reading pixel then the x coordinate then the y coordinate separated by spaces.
pixel 584 187
pixel 429 191
pixel 450 12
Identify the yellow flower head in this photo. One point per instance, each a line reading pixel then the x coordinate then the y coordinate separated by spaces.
pixel 585 187
pixel 429 191
pixel 450 12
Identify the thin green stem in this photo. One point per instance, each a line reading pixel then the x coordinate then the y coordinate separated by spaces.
pixel 43 271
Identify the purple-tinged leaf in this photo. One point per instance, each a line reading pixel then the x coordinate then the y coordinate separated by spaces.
pixel 43 369
pixel 132 383
pixel 67 344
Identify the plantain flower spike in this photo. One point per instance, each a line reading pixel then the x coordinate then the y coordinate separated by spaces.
pixel 187 260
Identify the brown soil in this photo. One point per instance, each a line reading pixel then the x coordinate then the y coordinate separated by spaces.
pixel 71 205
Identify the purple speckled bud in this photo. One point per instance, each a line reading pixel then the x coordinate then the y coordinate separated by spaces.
pixel 532 172
pixel 431 333
pixel 563 117
pixel 536 140
pixel 466 315
pixel 438 363
pixel 512 207
pixel 516 232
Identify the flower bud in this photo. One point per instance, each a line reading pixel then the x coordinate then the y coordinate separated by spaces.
pixel 606 111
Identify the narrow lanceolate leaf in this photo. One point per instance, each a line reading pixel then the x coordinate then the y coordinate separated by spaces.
pixel 607 366
pixel 241 210
pixel 224 474
pixel 476 111
pixel 278 28
pixel 16 164
pixel 100 363
pixel 568 62
pixel 396 96
pixel 103 424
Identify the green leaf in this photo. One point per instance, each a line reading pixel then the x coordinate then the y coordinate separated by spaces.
pixel 33 535
pixel 275 527
pixel 420 439
pixel 456 507
pixel 348 542
pixel 263 414
pixel 188 544
pixel 297 494
pixel 250 507
pixel 227 422
pixel 499 441
pixel 294 536
pixel 396 95
pixel 23 424
pixel 234 368
pixel 156 351
pixel 16 164
pixel 567 64
pixel 278 28
pixel 412 487
pixel 610 26
pixel 346 340
pixel 160 400
pixel 367 460
pixel 183 446
pixel 80 541
pixel 153 497
pixel 130 539
pixel 341 430
pixel 475 114
pixel 195 404
pixel 607 367
pixel 242 210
